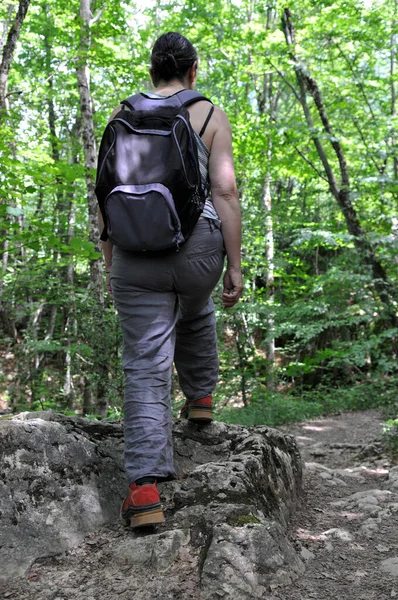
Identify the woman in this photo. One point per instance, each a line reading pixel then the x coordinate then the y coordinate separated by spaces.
pixel 164 303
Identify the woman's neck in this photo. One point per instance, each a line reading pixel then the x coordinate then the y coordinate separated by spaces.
pixel 168 88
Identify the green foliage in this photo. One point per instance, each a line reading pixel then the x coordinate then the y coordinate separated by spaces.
pixel 332 325
pixel 279 409
pixel 390 435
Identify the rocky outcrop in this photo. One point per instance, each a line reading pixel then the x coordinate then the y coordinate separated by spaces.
pixel 226 514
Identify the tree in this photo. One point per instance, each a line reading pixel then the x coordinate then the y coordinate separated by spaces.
pixel 8 51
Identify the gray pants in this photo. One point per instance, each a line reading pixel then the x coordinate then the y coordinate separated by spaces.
pixel 166 313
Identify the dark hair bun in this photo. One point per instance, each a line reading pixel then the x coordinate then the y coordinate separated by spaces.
pixel 165 63
pixel 172 57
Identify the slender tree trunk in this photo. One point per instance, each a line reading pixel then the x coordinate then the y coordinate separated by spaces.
pixel 269 251
pixel 393 58
pixel 90 152
pixel 268 103
pixel 8 51
pixel 4 263
pixel 242 362
pixel 8 43
pixel 90 160
pixel 64 206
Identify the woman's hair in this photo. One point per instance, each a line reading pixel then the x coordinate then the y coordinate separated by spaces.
pixel 172 56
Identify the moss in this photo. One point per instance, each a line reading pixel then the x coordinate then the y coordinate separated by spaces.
pixel 242 520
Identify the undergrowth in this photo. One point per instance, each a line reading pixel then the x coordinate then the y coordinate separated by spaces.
pixel 278 408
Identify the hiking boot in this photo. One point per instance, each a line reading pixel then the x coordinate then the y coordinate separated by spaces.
pixel 142 506
pixel 198 411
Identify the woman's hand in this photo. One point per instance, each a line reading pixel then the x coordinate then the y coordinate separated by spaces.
pixel 233 287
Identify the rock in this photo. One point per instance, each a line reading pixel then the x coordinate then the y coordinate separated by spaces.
pixel 382 548
pixel 376 495
pixel 390 566
pixel 306 554
pixel 350 474
pixel 372 450
pixel 339 482
pixel 338 503
pixel 62 477
pixel 392 482
pixel 227 512
pixel 242 563
pixel 369 528
pixel 367 500
pixel 370 509
pixel 329 547
pixel 314 466
pixel 156 552
pixel 338 533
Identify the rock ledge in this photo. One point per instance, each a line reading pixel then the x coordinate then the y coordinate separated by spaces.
pixel 226 514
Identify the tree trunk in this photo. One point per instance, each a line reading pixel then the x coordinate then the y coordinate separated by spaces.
pixel 269 251
pixel 242 362
pixel 8 51
pixel 90 161
pixel 8 44
pixel 268 103
pixel 90 152
pixel 393 53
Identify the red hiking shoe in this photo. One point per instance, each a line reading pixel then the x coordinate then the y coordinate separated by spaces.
pixel 198 411
pixel 142 506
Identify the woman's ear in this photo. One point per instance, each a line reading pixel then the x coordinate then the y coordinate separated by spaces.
pixel 193 74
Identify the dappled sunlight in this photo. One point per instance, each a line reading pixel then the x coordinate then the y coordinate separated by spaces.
pixel 316 428
pixel 375 470
pixel 364 470
pixel 304 534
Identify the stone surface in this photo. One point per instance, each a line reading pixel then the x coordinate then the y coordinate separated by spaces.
pixel 226 514
pixel 243 562
pixel 390 566
pixel 59 479
pixel 156 552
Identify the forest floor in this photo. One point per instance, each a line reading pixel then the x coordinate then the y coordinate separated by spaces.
pixel 346 528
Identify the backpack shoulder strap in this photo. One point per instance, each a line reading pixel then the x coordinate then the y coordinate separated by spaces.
pixel 131 101
pixel 188 97
pixel 183 98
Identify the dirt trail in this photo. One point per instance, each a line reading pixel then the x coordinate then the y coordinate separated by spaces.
pixel 347 528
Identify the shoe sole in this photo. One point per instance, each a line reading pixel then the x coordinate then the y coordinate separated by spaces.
pixel 154 517
pixel 200 415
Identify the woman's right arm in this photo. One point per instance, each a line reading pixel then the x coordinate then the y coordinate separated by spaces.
pixel 226 202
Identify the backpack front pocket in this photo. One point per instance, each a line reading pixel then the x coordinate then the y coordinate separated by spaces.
pixel 143 217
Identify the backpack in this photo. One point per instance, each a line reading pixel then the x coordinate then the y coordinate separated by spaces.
pixel 149 186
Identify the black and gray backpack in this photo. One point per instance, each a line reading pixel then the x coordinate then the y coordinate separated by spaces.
pixel 148 186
